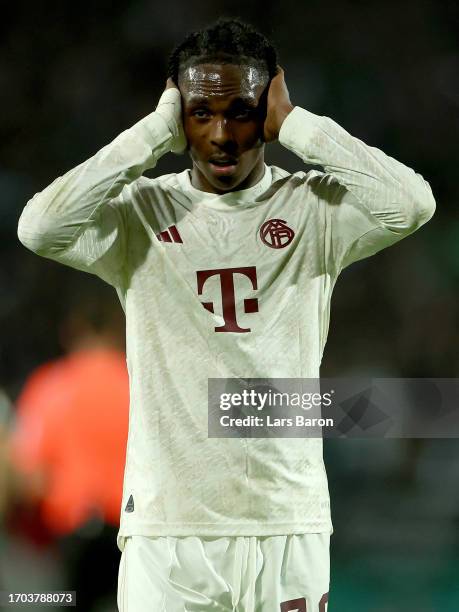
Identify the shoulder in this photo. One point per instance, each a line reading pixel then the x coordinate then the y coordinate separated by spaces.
pixel 154 190
pixel 148 196
pixel 157 184
pixel 320 184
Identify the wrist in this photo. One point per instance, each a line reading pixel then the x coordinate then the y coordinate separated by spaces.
pixel 154 130
pixel 282 114
pixel 169 108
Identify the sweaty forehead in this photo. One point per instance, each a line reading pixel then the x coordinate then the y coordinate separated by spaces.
pixel 222 80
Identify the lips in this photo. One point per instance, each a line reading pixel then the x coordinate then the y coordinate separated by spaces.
pixel 223 165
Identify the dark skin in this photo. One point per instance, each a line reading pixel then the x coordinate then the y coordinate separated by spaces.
pixel 229 113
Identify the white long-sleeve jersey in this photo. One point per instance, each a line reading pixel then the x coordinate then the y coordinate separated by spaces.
pixel 233 285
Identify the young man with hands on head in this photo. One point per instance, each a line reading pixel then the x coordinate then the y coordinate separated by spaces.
pixel 220 269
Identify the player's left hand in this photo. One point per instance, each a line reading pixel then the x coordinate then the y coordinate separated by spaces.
pixel 278 106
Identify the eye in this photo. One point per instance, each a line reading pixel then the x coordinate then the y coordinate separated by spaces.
pixel 201 113
pixel 243 113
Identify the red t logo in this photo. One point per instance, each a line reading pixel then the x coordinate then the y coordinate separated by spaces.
pixel 228 295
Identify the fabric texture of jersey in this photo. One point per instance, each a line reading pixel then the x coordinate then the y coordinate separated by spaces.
pixel 232 285
pixel 228 574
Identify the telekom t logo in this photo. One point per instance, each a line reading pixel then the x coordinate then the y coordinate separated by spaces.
pixel 228 295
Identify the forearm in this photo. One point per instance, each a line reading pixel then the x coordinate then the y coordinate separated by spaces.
pixel 398 198
pixel 55 217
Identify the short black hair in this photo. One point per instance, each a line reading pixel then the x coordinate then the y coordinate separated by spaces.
pixel 229 41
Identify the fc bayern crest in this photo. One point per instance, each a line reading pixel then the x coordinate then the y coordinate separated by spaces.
pixel 276 234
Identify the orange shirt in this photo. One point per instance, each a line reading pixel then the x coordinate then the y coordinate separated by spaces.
pixel 72 424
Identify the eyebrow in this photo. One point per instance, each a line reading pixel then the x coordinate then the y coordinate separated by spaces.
pixel 204 101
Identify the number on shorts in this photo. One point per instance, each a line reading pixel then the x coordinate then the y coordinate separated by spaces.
pixel 299 605
pixel 322 602
pixel 294 604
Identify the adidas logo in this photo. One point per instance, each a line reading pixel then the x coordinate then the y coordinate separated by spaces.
pixel 130 504
pixel 170 235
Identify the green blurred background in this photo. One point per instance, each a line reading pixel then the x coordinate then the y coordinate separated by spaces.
pixel 75 74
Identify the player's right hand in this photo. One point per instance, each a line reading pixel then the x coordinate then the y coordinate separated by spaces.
pixel 170 109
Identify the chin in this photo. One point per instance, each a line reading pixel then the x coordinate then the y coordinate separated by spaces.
pixel 227 183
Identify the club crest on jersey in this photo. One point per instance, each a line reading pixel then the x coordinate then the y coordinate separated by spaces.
pixel 276 234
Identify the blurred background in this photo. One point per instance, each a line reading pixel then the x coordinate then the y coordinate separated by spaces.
pixel 73 75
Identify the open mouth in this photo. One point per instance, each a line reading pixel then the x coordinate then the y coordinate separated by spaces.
pixel 223 165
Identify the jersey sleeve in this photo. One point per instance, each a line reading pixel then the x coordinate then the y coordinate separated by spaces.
pixel 371 200
pixel 81 219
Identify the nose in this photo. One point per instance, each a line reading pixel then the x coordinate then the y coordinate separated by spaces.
pixel 221 132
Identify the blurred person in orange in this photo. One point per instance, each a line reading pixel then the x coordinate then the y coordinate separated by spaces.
pixel 69 441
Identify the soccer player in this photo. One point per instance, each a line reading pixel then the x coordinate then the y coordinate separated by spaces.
pixel 223 270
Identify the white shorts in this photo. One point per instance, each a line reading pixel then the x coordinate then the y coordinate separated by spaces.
pixel 225 574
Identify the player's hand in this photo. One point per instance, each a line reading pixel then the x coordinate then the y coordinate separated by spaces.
pixel 278 106
pixel 170 109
